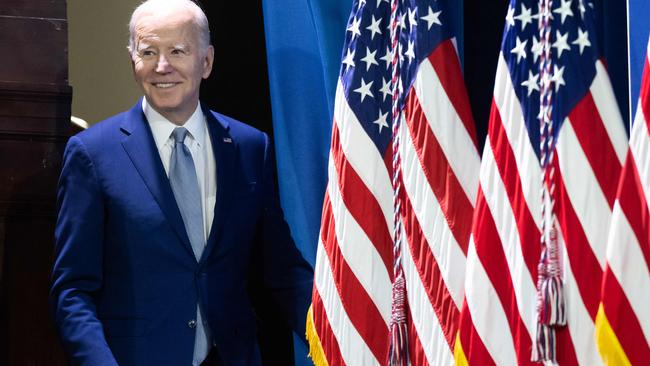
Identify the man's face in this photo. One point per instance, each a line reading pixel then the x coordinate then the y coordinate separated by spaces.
pixel 169 63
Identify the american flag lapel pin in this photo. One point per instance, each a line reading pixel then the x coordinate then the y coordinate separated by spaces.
pixel 227 139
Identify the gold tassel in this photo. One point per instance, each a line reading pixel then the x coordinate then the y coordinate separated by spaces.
pixel 316 352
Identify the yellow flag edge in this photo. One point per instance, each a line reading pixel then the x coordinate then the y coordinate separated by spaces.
pixel 459 354
pixel 316 352
pixel 608 345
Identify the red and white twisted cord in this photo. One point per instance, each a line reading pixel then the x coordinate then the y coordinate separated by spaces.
pixel 550 299
pixel 398 330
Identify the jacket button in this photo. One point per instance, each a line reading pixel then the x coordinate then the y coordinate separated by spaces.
pixel 191 323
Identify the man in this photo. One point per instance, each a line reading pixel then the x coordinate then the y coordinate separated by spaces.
pixel 162 210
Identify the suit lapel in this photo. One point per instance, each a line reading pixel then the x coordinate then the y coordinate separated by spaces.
pixel 225 153
pixel 141 149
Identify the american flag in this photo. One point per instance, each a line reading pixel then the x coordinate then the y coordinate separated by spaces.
pixel 623 320
pixel 499 317
pixel 351 305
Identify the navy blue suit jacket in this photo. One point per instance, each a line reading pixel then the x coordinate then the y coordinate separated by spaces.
pixel 125 281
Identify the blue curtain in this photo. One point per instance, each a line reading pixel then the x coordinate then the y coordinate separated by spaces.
pixel 304 39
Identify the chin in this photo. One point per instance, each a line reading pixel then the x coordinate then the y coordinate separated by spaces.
pixel 165 105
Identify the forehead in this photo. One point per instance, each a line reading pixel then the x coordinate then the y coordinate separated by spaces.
pixel 166 27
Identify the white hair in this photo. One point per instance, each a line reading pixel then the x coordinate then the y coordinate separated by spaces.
pixel 199 18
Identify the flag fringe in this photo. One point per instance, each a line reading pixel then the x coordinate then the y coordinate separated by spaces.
pixel 609 346
pixel 460 359
pixel 316 352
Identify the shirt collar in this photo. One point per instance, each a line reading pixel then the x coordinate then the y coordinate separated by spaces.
pixel 162 128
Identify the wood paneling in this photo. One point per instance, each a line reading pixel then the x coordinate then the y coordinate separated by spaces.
pixel 35 101
pixel 34 50
pixel 34 8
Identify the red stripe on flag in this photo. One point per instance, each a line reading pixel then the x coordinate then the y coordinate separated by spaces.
pixel 584 265
pixel 429 272
pixel 623 321
pixel 445 62
pixel 416 352
pixel 361 310
pixel 529 234
pixel 323 329
pixel 594 140
pixel 454 204
pixel 645 93
pixel 362 204
pixel 490 252
pixel 566 353
pixel 471 342
pixel 634 205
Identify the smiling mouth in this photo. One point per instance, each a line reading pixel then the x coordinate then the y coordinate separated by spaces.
pixel 164 85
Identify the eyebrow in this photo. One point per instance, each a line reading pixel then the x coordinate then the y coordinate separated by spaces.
pixel 142 46
pixel 181 46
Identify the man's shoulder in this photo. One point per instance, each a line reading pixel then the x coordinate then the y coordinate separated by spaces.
pixel 237 128
pixel 104 128
pixel 102 138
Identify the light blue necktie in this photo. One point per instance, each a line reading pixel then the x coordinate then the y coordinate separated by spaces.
pixel 182 176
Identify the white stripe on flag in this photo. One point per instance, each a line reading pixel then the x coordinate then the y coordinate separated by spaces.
pixel 448 128
pixel 580 324
pixel 506 226
pixel 358 251
pixel 603 94
pixel 363 156
pixel 586 196
pixel 441 241
pixel 513 123
pixel 427 324
pixel 487 314
pixel 353 349
pixel 628 265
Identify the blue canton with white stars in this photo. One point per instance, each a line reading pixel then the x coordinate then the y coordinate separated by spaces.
pixel 366 69
pixel 573 54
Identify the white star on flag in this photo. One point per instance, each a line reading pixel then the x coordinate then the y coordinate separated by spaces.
pixel 364 89
pixel 381 121
pixel 510 17
pixel 374 27
pixel 519 49
pixel 410 51
pixel 432 18
pixel 349 59
pixel 564 10
pixel 531 83
pixel 536 49
pixel 354 27
pixel 385 89
pixel 561 43
pixel 369 58
pixel 524 17
pixel 387 57
pixel 412 21
pixel 558 77
pixel 401 21
pixel 582 40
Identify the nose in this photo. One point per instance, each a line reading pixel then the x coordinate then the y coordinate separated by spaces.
pixel 162 65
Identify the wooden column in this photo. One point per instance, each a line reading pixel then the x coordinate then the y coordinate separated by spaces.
pixel 35 101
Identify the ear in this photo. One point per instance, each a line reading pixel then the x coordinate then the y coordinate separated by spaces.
pixel 132 62
pixel 207 61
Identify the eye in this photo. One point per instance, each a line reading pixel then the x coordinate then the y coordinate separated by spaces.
pixel 178 52
pixel 146 54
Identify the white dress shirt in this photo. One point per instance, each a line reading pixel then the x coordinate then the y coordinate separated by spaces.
pixel 200 146
pixel 198 141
